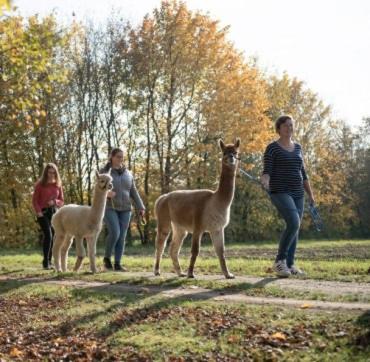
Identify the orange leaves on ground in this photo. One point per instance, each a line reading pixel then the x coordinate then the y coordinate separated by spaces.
pixel 306 306
pixel 280 336
pixel 15 352
pixel 233 339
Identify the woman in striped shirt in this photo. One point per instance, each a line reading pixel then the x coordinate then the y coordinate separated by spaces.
pixel 285 178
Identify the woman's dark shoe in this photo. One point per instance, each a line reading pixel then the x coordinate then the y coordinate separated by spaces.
pixel 107 264
pixel 119 267
pixel 46 265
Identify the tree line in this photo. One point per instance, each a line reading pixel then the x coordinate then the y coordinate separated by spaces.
pixel 166 90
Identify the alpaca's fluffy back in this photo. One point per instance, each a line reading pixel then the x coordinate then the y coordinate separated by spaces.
pixel 72 219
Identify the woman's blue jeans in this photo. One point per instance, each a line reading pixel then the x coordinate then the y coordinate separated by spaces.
pixel 117 223
pixel 291 209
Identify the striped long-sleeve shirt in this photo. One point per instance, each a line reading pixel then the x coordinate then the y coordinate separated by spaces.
pixel 286 169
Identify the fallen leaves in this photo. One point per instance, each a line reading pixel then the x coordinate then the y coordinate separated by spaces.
pixel 280 336
pixel 306 306
pixel 29 331
pixel 15 352
pixel 233 339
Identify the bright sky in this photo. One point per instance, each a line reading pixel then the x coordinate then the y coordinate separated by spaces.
pixel 326 43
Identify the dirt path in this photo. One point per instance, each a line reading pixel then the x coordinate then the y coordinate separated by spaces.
pixel 197 293
pixel 310 285
pixel 223 295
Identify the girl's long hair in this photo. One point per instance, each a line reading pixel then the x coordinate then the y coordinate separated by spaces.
pixel 44 177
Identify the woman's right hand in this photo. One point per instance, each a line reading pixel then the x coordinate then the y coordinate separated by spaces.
pixel 111 194
pixel 40 214
pixel 265 180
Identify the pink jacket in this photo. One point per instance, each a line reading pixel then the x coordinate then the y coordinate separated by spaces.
pixel 43 194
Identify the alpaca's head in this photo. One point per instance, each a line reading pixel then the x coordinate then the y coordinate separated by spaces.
pixel 103 181
pixel 230 153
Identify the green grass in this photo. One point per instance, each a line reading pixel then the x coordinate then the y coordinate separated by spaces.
pixel 346 260
pixel 95 324
pixel 353 267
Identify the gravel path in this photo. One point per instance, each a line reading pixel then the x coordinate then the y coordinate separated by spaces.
pixel 197 293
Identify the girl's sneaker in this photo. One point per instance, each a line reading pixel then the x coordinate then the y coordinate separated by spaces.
pixel 296 271
pixel 119 267
pixel 281 269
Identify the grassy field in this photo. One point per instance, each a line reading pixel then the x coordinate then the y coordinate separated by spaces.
pixel 41 321
pixel 345 260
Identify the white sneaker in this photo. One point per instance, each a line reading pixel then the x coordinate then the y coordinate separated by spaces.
pixel 281 269
pixel 296 271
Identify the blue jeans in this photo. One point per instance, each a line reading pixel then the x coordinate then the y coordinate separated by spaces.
pixel 291 210
pixel 117 223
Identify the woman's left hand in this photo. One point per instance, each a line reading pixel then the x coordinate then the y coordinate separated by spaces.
pixel 142 213
pixel 311 199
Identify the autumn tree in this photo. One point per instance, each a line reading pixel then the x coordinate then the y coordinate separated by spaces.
pixel 31 85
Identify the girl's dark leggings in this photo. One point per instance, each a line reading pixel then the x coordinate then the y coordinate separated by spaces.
pixel 48 231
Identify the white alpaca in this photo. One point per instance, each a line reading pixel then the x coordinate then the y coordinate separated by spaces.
pixel 80 222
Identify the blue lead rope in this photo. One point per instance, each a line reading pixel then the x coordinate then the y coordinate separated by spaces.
pixel 316 218
pixel 250 177
pixel 314 212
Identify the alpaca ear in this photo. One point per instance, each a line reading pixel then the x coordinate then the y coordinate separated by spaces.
pixel 222 144
pixel 237 143
pixel 97 174
pixel 110 169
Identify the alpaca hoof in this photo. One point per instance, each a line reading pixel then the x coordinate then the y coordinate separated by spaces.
pixel 157 272
pixel 230 276
pixel 191 275
pixel 181 274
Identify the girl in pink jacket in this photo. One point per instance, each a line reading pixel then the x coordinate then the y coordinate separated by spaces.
pixel 46 198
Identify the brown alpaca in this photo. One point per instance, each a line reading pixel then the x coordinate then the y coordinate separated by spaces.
pixel 196 212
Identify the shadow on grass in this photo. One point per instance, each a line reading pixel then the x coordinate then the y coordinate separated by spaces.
pixel 127 318
pixel 132 293
pixel 9 272
pixel 128 293
pixel 9 285
pixel 364 321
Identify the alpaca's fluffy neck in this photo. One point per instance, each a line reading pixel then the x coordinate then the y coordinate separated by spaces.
pixel 98 205
pixel 226 186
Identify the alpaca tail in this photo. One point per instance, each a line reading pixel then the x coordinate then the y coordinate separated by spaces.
pixel 162 213
pixel 161 204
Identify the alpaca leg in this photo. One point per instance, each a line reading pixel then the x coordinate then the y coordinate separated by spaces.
pixel 219 245
pixel 57 245
pixel 163 229
pixel 64 252
pixel 195 245
pixel 175 246
pixel 80 253
pixel 160 243
pixel 91 250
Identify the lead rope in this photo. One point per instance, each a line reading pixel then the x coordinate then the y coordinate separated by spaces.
pixel 140 218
